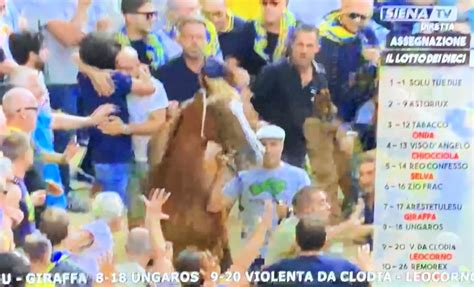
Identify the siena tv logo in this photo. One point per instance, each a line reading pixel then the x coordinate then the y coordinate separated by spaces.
pixel 419 13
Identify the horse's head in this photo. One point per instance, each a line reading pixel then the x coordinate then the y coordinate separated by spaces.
pixel 227 125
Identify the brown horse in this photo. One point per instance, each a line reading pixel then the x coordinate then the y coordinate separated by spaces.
pixel 184 162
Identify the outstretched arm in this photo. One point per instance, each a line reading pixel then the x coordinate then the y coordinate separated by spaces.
pixel 62 121
pixel 252 247
pixel 153 217
pixel 115 126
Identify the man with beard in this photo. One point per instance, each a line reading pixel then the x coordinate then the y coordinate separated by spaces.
pixel 139 17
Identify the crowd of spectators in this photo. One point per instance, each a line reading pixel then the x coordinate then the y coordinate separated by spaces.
pixel 91 80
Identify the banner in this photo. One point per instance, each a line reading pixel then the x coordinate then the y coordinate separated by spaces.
pixel 424 186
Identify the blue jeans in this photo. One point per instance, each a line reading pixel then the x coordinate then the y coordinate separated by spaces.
pixel 64 98
pixel 113 177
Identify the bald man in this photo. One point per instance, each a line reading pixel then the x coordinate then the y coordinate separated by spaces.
pixel 227 24
pixel 139 253
pixel 21 109
pixel 348 43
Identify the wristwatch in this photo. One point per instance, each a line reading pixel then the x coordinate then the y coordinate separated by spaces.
pixel 126 130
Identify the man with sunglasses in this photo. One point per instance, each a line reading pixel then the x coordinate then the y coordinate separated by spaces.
pixel 227 24
pixel 349 52
pixel 139 17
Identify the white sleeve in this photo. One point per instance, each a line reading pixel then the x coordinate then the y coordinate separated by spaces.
pixel 159 100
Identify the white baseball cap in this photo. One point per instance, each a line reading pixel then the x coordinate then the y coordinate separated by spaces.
pixel 271 132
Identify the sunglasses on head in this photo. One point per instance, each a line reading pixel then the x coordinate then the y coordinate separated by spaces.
pixel 148 15
pixel 273 3
pixel 355 16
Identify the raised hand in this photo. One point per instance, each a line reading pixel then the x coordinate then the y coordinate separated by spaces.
pixel 209 266
pixel 154 205
pixel 106 267
pixel 364 258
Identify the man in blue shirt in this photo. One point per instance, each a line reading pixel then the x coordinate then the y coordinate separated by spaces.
pixel 311 237
pixel 111 155
pixel 180 76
